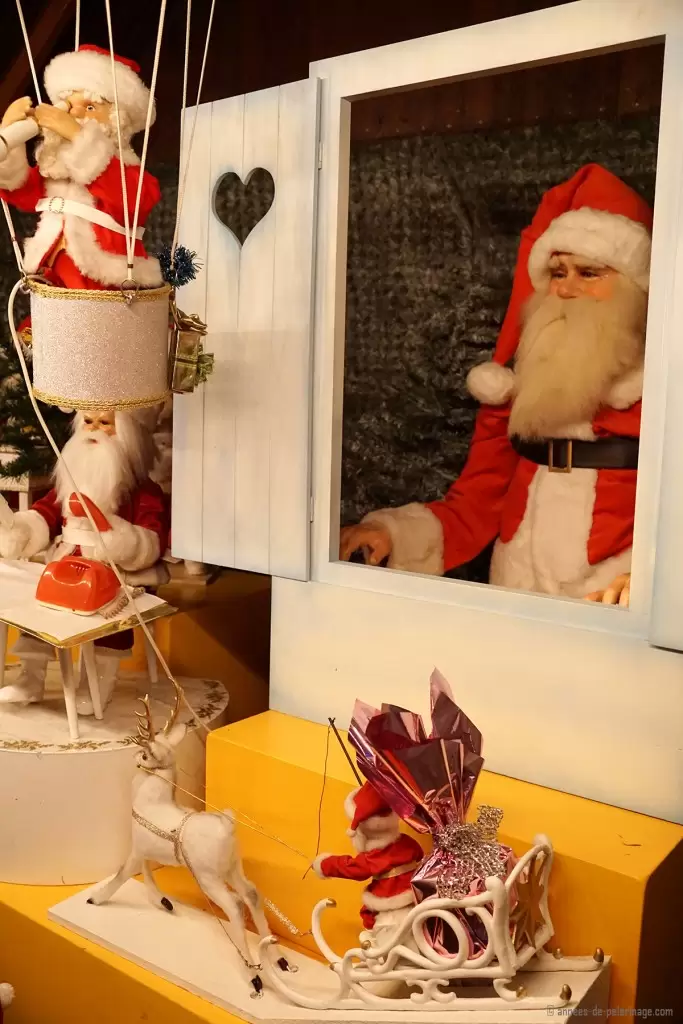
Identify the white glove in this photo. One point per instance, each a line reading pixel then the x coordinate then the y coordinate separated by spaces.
pixel 130 547
pixel 14 541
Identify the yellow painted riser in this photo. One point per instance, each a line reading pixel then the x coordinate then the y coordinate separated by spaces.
pixel 269 768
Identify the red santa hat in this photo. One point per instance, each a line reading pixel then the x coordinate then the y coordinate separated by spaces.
pixel 363 804
pixel 594 215
pixel 89 70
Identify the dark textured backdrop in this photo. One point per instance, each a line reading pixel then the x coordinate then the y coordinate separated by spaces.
pixel 434 225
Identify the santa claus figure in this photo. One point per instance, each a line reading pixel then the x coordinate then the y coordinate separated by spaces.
pixel 385 856
pixel 551 474
pixel 109 457
pixel 76 185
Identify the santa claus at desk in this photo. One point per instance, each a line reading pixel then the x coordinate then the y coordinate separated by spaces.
pixel 109 456
pixel 551 473
pixel 76 185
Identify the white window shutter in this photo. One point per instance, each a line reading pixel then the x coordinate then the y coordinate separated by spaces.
pixel 241 453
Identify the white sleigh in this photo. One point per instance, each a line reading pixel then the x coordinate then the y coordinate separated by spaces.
pixel 429 976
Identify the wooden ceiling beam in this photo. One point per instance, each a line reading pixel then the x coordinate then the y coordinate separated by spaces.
pixel 48 25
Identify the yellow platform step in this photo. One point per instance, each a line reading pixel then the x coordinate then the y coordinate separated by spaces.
pixel 615 878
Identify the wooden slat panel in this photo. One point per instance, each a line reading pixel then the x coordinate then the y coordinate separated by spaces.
pixel 188 410
pixel 253 355
pixel 221 395
pixel 291 340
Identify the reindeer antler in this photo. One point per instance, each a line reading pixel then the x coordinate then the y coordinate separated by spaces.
pixel 145 725
pixel 175 710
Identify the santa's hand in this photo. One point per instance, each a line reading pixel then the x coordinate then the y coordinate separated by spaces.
pixel 56 120
pixel 372 538
pixel 17 111
pixel 14 541
pixel 619 592
pixel 317 864
pixel 130 547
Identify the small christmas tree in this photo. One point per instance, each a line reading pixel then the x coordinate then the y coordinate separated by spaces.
pixel 20 431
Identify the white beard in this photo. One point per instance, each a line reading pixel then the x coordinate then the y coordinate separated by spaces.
pixel 49 156
pixel 100 467
pixel 570 353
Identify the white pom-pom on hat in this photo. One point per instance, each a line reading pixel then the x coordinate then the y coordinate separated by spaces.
pixel 491 383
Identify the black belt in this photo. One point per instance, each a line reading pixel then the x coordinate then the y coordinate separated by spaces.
pixel 563 455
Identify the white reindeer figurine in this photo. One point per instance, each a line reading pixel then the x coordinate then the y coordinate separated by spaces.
pixel 205 842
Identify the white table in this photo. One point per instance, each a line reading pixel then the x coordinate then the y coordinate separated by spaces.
pixel 65 630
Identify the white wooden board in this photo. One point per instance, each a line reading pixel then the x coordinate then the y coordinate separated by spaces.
pixel 190 949
pixel 242 445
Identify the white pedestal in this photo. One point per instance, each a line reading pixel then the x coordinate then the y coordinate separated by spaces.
pixel 65 807
pixel 189 947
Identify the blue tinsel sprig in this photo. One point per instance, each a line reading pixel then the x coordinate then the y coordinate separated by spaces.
pixel 182 268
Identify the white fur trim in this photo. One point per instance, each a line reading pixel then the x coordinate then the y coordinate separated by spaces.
pixel 89 154
pixel 91 71
pixel 491 383
pixel 401 899
pixel 626 391
pixel 549 552
pixel 81 244
pixel 131 547
pixel 6 994
pixel 350 803
pixel 29 535
pixel 416 537
pixel 316 865
pixel 608 238
pixel 14 168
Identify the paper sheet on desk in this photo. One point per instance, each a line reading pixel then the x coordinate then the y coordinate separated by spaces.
pixel 18 607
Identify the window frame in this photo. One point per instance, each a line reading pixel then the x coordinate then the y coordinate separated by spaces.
pixel 575 30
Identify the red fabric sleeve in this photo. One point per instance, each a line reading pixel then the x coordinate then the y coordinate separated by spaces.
pixel 107 190
pixel 470 514
pixel 27 195
pixel 149 509
pixel 51 511
pixel 367 865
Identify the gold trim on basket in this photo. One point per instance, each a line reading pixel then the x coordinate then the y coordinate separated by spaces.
pixel 47 291
pixel 100 403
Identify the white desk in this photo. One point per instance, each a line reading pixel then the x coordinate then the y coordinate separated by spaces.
pixel 64 630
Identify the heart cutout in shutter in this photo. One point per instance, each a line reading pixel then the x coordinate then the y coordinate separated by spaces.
pixel 241 205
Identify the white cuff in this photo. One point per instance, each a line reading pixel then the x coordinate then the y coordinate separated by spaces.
pixel 317 864
pixel 131 547
pixel 416 538
pixel 37 532
pixel 89 154
pixel 14 168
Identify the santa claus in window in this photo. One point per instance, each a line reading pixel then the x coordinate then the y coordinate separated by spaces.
pixel 109 456
pixel 76 185
pixel 551 473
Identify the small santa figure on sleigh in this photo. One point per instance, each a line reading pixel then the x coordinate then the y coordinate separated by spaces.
pixel 387 857
pixel 76 183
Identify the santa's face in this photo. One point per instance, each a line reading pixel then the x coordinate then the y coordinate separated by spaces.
pixel 103 420
pixel 579 336
pixel 574 278
pixel 84 107
pixel 99 460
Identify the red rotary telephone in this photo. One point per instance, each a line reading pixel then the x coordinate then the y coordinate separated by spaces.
pixel 80 585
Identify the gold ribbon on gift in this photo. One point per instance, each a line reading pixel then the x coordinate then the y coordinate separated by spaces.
pixel 189 364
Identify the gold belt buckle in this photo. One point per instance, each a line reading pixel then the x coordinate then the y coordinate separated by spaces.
pixel 552 468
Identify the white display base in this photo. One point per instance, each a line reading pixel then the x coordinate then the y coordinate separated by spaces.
pixel 65 806
pixel 190 949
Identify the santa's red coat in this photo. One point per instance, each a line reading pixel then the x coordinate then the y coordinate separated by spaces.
pixel 95 254
pixel 489 498
pixel 382 893
pixel 146 507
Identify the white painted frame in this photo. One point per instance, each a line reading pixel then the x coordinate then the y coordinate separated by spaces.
pixel 560 33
